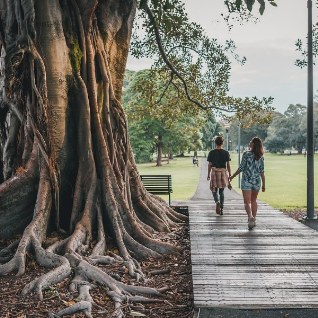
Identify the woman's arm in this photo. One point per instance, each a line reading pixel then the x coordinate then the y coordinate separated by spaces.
pixel 263 181
pixel 240 168
pixel 235 174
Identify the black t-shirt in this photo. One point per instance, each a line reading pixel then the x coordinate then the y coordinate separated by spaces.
pixel 219 158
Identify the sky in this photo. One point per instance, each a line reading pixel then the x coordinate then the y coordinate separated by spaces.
pixel 268 45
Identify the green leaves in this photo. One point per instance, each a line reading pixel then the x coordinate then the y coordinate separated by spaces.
pixel 238 5
pixel 249 4
pixel 201 68
pixel 168 5
pixel 273 3
pixel 262 6
pixel 142 4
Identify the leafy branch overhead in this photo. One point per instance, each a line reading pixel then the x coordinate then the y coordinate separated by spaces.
pixel 302 48
pixel 199 66
pixel 238 5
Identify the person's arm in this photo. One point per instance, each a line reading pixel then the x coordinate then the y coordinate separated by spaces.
pixel 235 174
pixel 240 168
pixel 228 167
pixel 209 170
pixel 263 181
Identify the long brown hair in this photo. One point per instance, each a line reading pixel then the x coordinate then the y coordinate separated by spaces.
pixel 257 148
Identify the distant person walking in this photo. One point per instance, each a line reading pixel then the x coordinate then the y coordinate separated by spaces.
pixel 219 171
pixel 252 166
pixel 195 161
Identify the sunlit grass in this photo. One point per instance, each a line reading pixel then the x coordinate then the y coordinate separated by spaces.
pixel 185 176
pixel 286 179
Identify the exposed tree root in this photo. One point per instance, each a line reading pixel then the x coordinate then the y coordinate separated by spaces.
pixel 45 93
pixel 84 306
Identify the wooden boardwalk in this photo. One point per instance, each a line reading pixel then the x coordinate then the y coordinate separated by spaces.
pixel 273 266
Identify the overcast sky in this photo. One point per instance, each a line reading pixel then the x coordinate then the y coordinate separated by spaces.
pixel 269 47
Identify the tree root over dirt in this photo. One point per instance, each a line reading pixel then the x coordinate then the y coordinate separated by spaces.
pixel 42 90
pixel 175 301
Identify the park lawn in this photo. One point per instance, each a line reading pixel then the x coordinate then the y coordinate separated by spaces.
pixel 185 176
pixel 286 180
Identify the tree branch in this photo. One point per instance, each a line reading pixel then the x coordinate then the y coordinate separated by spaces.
pixel 145 6
pixel 164 91
pixel 165 58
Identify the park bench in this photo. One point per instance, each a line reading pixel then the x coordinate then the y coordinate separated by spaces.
pixel 157 184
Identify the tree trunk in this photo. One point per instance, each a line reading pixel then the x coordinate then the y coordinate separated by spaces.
pixel 159 151
pixel 66 161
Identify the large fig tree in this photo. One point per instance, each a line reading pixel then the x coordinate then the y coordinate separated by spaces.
pixel 66 164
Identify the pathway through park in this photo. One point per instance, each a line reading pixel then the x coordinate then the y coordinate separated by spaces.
pixel 271 271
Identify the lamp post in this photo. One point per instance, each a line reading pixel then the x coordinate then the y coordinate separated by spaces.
pixel 310 121
pixel 239 152
pixel 227 126
pixel 227 139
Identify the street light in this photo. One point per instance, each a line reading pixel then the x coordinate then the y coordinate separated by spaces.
pixel 227 138
pixel 239 152
pixel 227 125
pixel 310 122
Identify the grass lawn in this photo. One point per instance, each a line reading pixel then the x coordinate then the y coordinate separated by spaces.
pixel 285 179
pixel 185 176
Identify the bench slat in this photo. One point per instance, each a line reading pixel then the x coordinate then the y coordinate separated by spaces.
pixel 157 184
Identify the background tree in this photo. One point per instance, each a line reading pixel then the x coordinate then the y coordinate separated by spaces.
pixel 247 133
pixel 173 124
pixel 288 130
pixel 67 164
pixel 277 134
pixel 142 138
pixel 297 123
pixel 210 129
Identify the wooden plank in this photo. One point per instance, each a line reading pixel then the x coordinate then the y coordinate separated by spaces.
pixel 272 266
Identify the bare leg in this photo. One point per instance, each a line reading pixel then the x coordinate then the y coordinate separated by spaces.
pixel 247 201
pixel 254 195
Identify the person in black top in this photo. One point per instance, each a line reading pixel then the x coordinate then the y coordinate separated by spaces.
pixel 219 171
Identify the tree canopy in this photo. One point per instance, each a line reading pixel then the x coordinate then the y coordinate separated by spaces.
pixel 194 65
pixel 161 114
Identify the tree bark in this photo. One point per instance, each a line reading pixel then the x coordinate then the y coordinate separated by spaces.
pixel 67 165
pixel 159 151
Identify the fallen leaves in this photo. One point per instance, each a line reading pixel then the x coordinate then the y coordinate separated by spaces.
pixel 160 273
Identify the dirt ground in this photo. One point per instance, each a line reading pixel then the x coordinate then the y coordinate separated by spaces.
pixel 171 271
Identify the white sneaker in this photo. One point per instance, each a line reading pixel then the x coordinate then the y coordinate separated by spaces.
pixel 251 223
